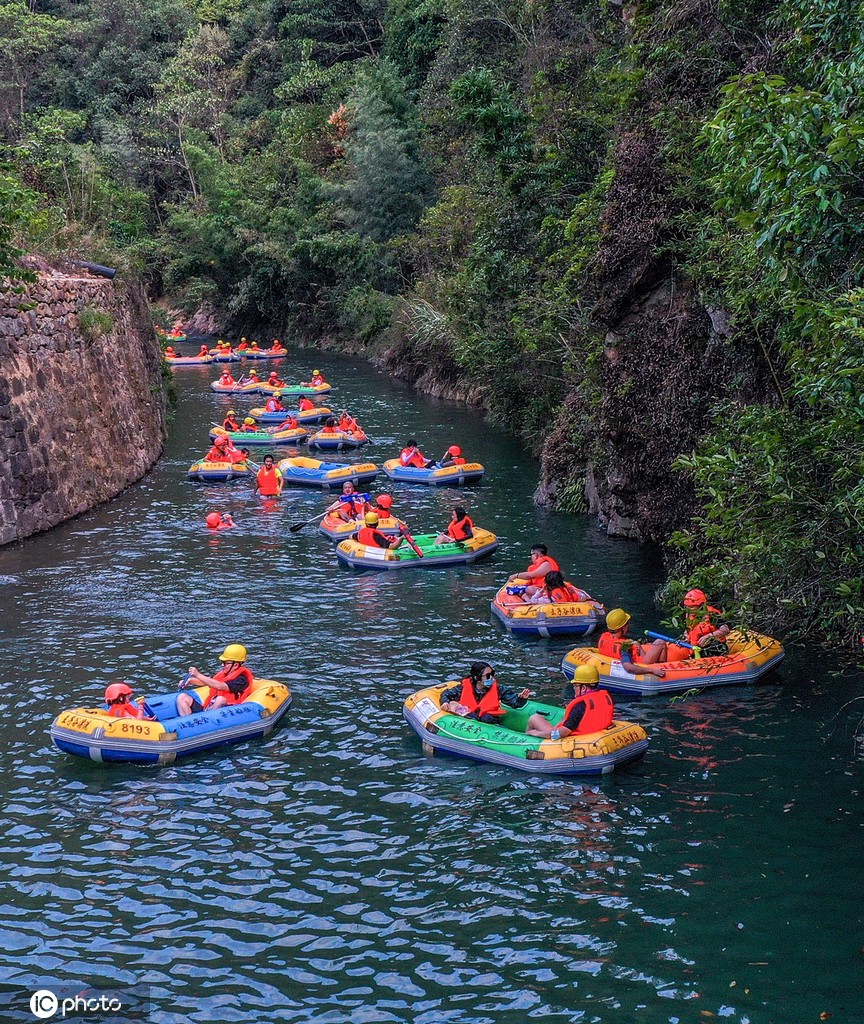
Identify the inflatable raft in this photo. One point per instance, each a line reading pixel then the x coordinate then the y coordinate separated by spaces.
pixel 451 476
pixel 363 556
pixel 210 471
pixel 337 529
pixel 750 657
pixel 571 618
pixel 94 734
pixel 262 353
pixel 295 390
pixel 316 415
pixel 188 360
pixel 243 438
pixel 305 472
pixel 506 743
pixel 336 440
pixel 176 337
pixel 251 388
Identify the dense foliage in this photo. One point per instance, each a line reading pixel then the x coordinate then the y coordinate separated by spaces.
pixel 492 187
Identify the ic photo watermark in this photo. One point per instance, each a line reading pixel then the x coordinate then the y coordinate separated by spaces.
pixel 75 1005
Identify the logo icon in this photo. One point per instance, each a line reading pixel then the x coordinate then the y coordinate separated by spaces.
pixel 43 1004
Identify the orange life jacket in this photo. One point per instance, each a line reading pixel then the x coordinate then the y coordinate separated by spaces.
pixel 226 378
pixel 274 405
pixel 253 348
pixel 489 703
pixel 366 535
pixel 217 455
pixel 243 346
pixel 224 676
pixel 317 380
pixel 460 529
pixel 457 460
pixel 268 482
pixel 129 710
pixel 204 351
pixel 346 423
pixel 229 423
pixel 699 631
pixel 170 353
pixel 305 404
pixel 566 594
pixel 555 567
pixel 599 711
pixel 409 458
pixel 611 646
pixel 289 424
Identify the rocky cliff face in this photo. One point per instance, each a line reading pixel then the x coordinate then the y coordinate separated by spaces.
pixel 82 407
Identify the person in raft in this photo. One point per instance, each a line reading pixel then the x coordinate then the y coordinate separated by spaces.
pixel 317 380
pixel 350 505
pixel 480 695
pixel 369 536
pixel 169 352
pixel 118 697
pixel 289 423
pixel 203 351
pixel 541 564
pixel 347 423
pixel 555 590
pixel 636 659
pixel 701 630
pixel 231 684
pixel 268 481
pixel 452 457
pixel 459 528
pixel 226 380
pixel 230 421
pixel 249 426
pixel 244 344
pixel 305 404
pixel 274 403
pixel 277 346
pixel 412 456
pixel 383 505
pixel 274 381
pixel 250 378
pixel 591 709
pixel 330 426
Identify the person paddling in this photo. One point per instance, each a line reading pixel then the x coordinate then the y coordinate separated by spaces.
pixel 230 685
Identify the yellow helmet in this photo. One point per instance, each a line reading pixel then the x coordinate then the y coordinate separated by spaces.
pixel 231 412
pixel 617 618
pixel 315 371
pixel 586 675
pixel 248 420
pixel 233 652
pixel 371 519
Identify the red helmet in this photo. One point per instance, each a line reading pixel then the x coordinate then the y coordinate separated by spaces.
pixel 116 690
pixel 384 501
pixel 213 520
pixel 695 598
pixel 221 440
pixel 454 449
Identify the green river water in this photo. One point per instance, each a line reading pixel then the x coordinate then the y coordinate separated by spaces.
pixel 334 874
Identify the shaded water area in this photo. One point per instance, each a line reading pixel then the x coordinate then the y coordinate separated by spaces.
pixel 332 872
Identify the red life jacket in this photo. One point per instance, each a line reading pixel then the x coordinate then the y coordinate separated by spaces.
pixel 273 406
pixel 204 351
pixel 489 703
pixel 700 631
pixel 268 483
pixel 366 535
pixel 289 424
pixel 217 455
pixel 599 711
pixel 224 676
pixel 305 404
pixel 317 380
pixel 409 458
pixel 226 378
pixel 460 529
pixel 346 424
pixel 129 710
pixel 243 346
pixel 230 423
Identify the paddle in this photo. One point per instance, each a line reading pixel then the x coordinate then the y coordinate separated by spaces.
pixel 403 529
pixel 671 640
pixel 299 526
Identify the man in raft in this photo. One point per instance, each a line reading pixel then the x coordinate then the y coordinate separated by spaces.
pixel 369 536
pixel 591 709
pixel 701 630
pixel 412 456
pixel 232 684
pixel 350 505
pixel 230 421
pixel 452 457
pixel 636 659
pixel 274 403
pixel 541 564
pixel 482 695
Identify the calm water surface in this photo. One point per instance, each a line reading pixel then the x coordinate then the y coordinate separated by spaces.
pixel 332 873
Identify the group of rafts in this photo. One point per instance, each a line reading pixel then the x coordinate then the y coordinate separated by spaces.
pixel 520 606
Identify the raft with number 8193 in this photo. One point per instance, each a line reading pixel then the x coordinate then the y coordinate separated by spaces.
pixel 463 552
pixel 750 657
pixel 94 734
pixel 507 744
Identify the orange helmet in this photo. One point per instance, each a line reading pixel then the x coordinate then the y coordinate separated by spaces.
pixel 117 690
pixel 454 449
pixel 221 440
pixel 384 501
pixel 213 520
pixel 695 598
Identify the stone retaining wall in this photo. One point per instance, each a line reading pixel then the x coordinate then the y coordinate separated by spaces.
pixel 82 408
